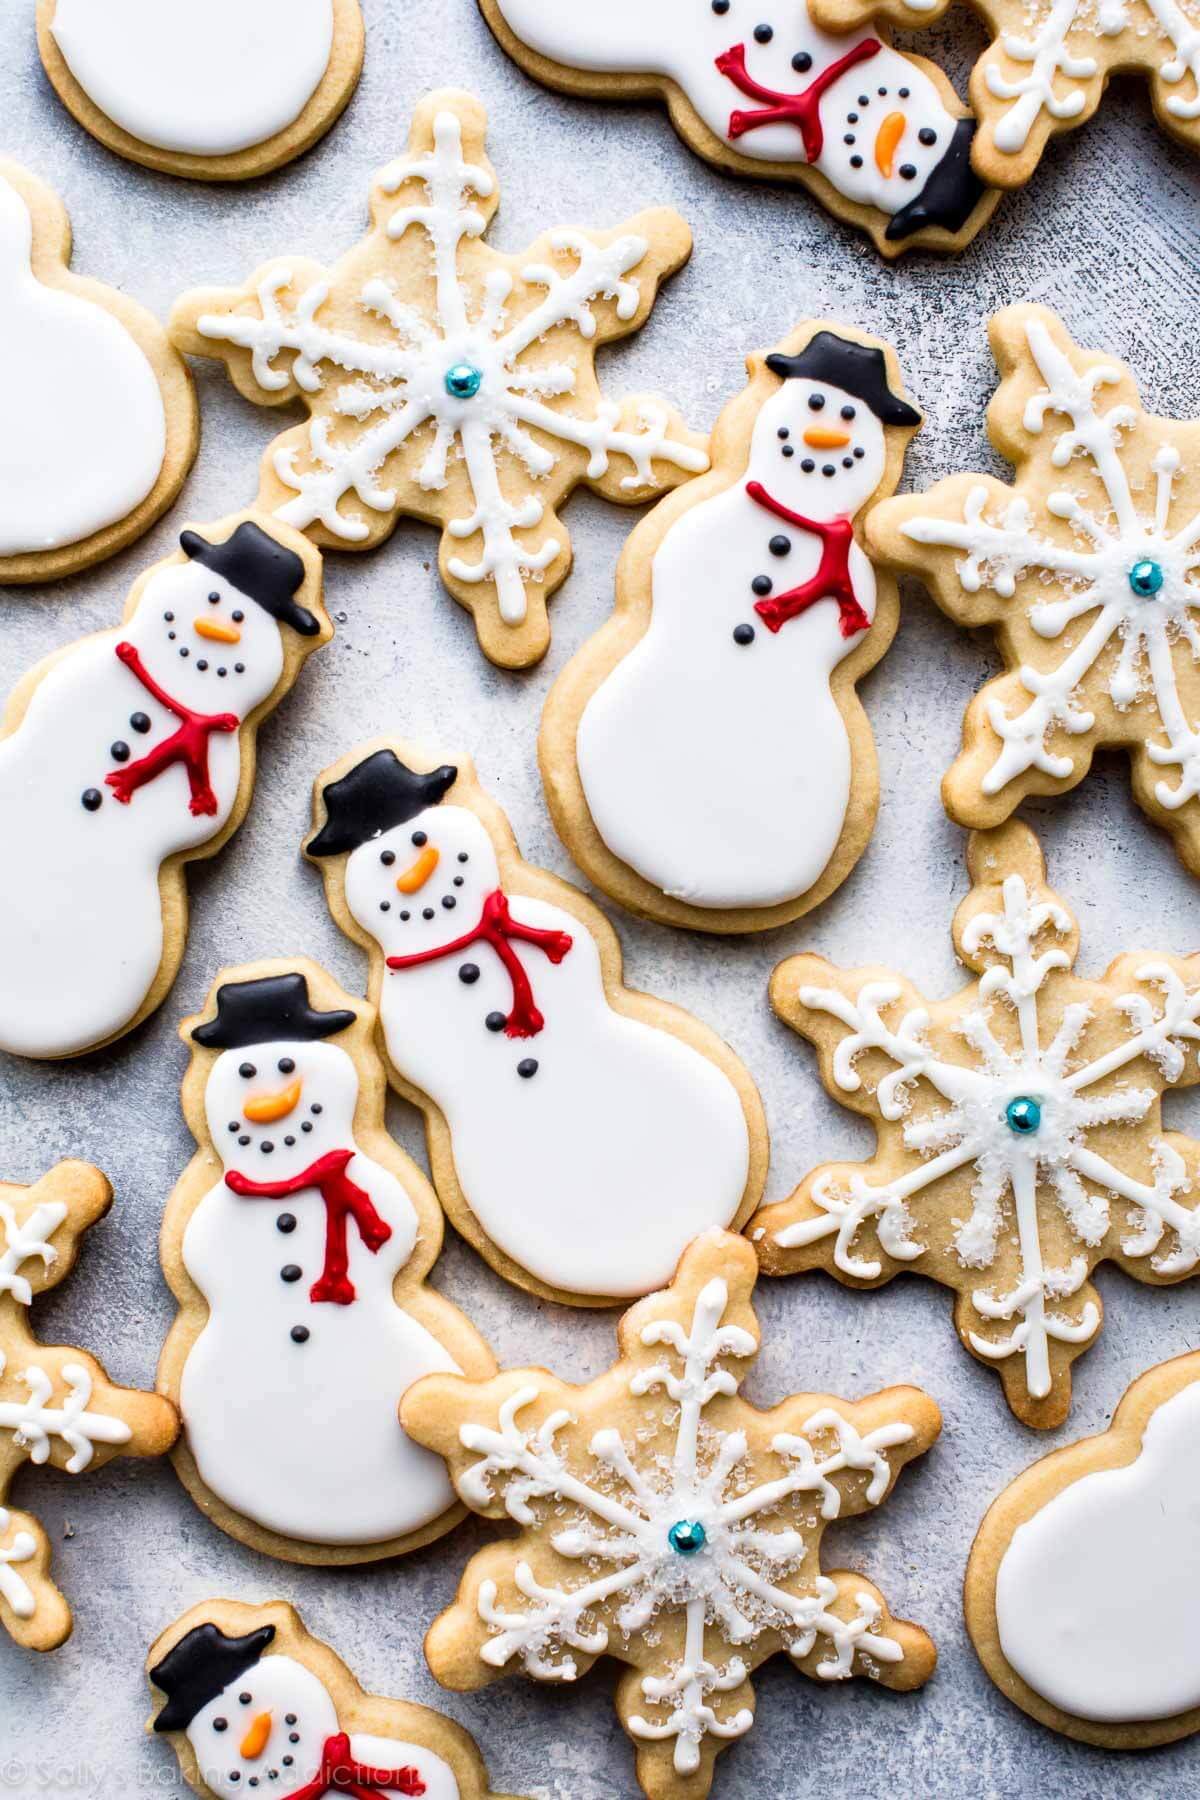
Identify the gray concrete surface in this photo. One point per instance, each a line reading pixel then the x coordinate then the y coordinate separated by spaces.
pixel 1108 233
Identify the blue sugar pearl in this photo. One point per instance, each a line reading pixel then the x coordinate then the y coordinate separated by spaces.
pixel 463 381
pixel 686 1537
pixel 1146 577
pixel 1023 1115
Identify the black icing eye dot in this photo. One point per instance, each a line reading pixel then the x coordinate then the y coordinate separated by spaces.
pixel 527 1067
pixel 720 6
pixel 286 1222
pixel 247 1071
pixel 387 858
pixel 495 1021
pixel 848 413
pixel 908 171
pixel 743 635
pixel 927 135
pixel 420 839
pixel 859 453
pixel 91 798
pixel 245 1699
pixel 289 1718
pixel 783 432
pixel 761 585
pixel 238 617
pixel 463 857
pixel 140 721
pixel 427 912
pixel 220 1724
pixel 214 599
pixel 779 546
pixel 808 465
pixel 904 92
pixel 286 1066
pixel 816 402
pixel 763 34
pixel 802 62
pixel 468 974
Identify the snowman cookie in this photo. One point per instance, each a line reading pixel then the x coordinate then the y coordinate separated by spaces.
pixel 757 87
pixel 100 419
pixel 450 383
pixel 297 1243
pixel 127 755
pixel 227 94
pixel 580 1134
pixel 57 1405
pixel 706 757
pixel 1083 1587
pixel 664 1521
pixel 251 1702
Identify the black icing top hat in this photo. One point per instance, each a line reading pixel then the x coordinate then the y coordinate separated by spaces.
pixel 858 369
pixel 201 1666
pixel 259 567
pixel 263 1011
pixel 379 793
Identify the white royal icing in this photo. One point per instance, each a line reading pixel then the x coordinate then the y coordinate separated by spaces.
pixel 1098 1592
pixel 722 773
pixel 1051 60
pixel 23 1242
pixel 970 1125
pixel 682 40
pixel 401 377
pixel 20 1548
pixel 286 1690
pixel 81 933
pixel 84 427
pixel 622 1511
pixel 598 1171
pixel 206 83
pixel 37 1420
pixel 1087 575
pixel 303 1438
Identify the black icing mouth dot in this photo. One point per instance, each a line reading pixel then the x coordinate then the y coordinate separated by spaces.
pixel 789 450
pixel 449 902
pixel 239 618
pixel 306 1126
pixel 185 652
pixel 202 666
pixel 859 453
pixel 239 668
pixel 266 1146
pixel 427 912
pixel 244 1139
pixel 808 465
pixel 828 469
pixel 864 99
pixel 385 906
pixel 289 1141
pixel 235 1125
pixel 847 462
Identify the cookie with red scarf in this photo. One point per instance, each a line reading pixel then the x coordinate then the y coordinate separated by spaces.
pixel 128 754
pixel 250 1701
pixel 297 1244
pixel 580 1134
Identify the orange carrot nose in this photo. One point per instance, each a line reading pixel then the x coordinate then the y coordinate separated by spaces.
pixel 216 631
pixel 418 872
pixel 255 1740
pixel 270 1107
pixel 887 137
pixel 818 438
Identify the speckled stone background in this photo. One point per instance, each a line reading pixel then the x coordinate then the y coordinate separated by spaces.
pixel 1108 233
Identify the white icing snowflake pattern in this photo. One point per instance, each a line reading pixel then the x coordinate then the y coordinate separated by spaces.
pixel 1129 675
pixel 20 1548
pixel 1017 1103
pixel 35 1422
pixel 466 364
pixel 680 1513
pixel 25 1242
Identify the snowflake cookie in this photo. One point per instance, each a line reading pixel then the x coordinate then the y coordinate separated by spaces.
pixel 449 383
pixel 1087 568
pixel 1084 1581
pixel 1020 1138
pixel 57 1405
pixel 250 1701
pixel 667 1522
pixel 758 88
pixel 1049 63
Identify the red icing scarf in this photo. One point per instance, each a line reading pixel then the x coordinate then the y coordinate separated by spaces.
pixel 497 927
pixel 340 1774
pixel 802 109
pixel 188 745
pixel 343 1199
pixel 832 579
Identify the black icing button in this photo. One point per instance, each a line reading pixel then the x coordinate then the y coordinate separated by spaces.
pixel 119 751
pixel 527 1067
pixel 779 546
pixel 286 1222
pixel 496 1021
pixel 290 1272
pixel 761 585
pixel 300 1334
pixel 743 634
pixel 469 973
pixel 140 721
pixel 91 798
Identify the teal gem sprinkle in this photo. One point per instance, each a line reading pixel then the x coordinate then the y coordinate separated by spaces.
pixel 1023 1115
pixel 464 381
pixel 1146 577
pixel 686 1537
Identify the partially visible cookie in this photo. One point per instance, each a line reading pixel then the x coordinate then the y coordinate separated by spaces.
pixel 100 419
pixel 1083 1588
pixel 706 757
pixel 57 1405
pixel 250 1701
pixel 880 137
pixel 229 93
